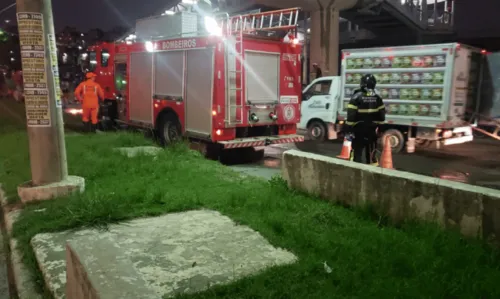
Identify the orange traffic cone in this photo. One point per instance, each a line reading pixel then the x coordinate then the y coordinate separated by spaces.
pixel 386 159
pixel 346 150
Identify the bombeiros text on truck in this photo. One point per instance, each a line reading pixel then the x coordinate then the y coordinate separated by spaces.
pixel 229 81
pixel 431 93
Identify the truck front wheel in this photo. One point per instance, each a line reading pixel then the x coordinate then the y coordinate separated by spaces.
pixel 396 139
pixel 169 129
pixel 316 130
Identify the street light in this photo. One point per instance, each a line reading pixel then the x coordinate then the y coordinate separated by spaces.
pixel 212 26
pixel 150 47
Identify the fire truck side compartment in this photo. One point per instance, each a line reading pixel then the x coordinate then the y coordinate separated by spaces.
pixel 141 98
pixel 262 83
pixel 199 92
pixel 262 77
pixel 169 78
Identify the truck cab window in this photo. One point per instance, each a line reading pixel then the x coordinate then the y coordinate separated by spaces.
pixel 92 61
pixel 321 87
pixel 104 58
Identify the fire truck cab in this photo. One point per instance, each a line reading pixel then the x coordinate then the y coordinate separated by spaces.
pixel 232 85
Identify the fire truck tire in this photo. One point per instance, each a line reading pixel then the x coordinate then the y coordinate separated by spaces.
pixel 396 138
pixel 169 129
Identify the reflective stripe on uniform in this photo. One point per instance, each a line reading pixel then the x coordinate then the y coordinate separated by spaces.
pixel 85 89
pixel 351 106
pixel 371 110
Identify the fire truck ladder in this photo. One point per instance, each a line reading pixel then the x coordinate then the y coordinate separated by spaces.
pixel 236 26
pixel 284 19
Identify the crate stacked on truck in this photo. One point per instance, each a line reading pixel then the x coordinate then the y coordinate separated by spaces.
pixel 235 83
pixel 427 89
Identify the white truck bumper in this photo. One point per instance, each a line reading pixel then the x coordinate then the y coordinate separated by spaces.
pixel 466 136
pixel 458 140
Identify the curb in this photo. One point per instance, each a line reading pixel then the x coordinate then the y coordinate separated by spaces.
pixel 24 286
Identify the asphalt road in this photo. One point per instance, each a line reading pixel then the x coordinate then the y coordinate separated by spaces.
pixel 477 162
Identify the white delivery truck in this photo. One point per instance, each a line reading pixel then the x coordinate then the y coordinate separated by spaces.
pixel 428 90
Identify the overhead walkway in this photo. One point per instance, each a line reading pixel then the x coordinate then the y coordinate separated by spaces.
pixel 386 16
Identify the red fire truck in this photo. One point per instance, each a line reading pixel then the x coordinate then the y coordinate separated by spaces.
pixel 235 87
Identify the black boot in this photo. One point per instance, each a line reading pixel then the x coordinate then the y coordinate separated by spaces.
pixel 93 128
pixel 86 127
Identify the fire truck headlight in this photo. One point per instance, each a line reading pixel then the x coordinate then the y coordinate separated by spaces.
pixel 212 26
pixel 150 47
pixel 295 41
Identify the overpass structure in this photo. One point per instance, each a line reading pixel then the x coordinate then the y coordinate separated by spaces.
pixel 407 21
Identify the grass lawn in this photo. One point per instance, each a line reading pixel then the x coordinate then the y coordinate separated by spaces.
pixel 368 260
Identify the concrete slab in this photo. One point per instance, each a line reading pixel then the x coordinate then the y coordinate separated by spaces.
pixel 139 150
pixel 257 170
pixel 28 193
pixel 167 255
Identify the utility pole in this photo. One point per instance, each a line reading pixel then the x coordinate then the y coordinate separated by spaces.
pixel 42 92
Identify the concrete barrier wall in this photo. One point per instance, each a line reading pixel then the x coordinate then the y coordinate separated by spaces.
pixel 78 285
pixel 474 211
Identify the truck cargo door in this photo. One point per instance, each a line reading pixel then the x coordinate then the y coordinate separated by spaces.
pixel 199 92
pixel 140 87
pixel 262 77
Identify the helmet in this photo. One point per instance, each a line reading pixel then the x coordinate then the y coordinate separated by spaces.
pixel 368 81
pixel 90 75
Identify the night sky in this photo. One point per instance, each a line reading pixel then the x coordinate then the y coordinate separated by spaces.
pixel 104 14
pixel 473 17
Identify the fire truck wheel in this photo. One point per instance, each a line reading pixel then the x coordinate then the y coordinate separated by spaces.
pixel 169 129
pixel 316 130
pixel 396 138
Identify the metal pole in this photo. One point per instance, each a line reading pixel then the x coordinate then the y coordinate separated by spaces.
pixel 452 13
pixel 42 92
pixel 305 49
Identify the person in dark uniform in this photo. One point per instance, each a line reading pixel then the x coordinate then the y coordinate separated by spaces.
pixel 317 71
pixel 365 112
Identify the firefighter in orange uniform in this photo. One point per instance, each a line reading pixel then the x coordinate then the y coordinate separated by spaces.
pixel 88 93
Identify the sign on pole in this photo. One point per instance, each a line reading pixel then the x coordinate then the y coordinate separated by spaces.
pixel 36 93
pixel 55 68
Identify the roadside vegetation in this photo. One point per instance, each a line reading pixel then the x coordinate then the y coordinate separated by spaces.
pixel 368 259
